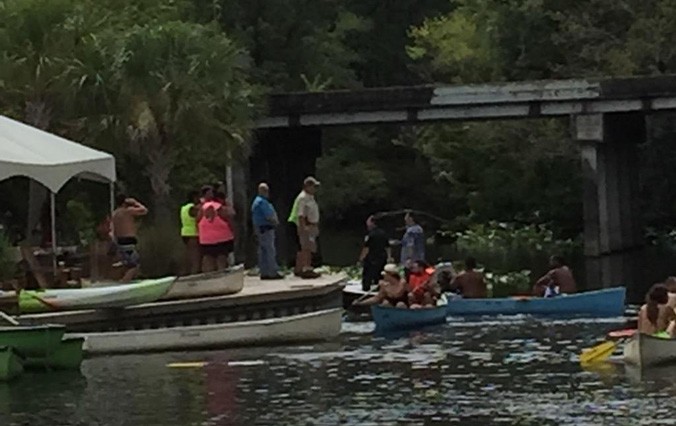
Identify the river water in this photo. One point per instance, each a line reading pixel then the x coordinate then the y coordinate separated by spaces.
pixel 495 371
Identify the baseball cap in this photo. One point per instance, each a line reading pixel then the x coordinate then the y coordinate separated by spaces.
pixel 310 180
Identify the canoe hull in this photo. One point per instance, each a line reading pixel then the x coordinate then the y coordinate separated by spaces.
pixel 393 319
pixel 315 326
pixel 601 303
pixel 32 341
pixel 10 364
pixel 209 284
pixel 68 355
pixel 115 296
pixel 643 351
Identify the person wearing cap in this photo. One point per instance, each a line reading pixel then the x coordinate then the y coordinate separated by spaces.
pixel 374 254
pixel 264 218
pixel 305 216
pixel 392 290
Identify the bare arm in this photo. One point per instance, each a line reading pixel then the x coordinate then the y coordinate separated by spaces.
pixel 545 279
pixel 226 212
pixel 363 254
pixel 136 208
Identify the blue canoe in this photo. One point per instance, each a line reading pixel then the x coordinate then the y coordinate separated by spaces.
pixel 391 319
pixel 599 303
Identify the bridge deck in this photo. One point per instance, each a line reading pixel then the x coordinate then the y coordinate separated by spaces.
pixel 471 102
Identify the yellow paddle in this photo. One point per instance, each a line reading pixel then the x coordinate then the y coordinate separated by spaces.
pixel 603 351
pixel 187 364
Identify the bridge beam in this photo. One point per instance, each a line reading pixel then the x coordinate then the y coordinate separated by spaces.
pixel 612 223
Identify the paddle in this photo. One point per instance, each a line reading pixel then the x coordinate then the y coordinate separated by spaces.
pixel 197 364
pixel 8 318
pixel 604 350
pixel 364 296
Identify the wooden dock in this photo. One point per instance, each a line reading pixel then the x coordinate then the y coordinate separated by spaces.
pixel 257 300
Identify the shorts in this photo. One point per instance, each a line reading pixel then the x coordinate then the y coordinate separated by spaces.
pixel 219 249
pixel 126 248
pixel 187 240
pixel 394 300
pixel 308 239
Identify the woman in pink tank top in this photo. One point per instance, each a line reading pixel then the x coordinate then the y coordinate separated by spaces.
pixel 215 233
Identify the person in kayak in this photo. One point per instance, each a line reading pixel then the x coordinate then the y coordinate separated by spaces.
pixel 124 233
pixel 470 283
pixel 422 291
pixel 655 317
pixel 392 291
pixel 559 280
pixel 374 254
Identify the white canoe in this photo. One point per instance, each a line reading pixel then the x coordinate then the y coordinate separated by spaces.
pixel 644 350
pixel 112 296
pixel 218 283
pixel 314 326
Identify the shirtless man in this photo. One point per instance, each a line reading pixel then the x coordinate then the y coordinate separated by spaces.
pixel 393 290
pixel 655 317
pixel 558 280
pixel 470 282
pixel 124 233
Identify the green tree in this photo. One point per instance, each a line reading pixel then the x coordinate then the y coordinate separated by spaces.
pixel 182 100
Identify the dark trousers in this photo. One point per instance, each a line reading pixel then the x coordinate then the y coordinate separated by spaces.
pixel 371 274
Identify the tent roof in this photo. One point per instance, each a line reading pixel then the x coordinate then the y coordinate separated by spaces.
pixel 47 158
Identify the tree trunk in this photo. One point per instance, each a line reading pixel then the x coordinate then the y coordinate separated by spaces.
pixel 158 171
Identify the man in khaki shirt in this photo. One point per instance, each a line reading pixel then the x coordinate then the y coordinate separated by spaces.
pixel 308 227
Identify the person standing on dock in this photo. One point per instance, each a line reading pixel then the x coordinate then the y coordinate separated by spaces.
pixel 374 254
pixel 305 216
pixel 188 215
pixel 264 218
pixel 215 234
pixel 412 244
pixel 124 233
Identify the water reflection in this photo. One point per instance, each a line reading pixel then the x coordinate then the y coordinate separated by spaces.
pixel 493 371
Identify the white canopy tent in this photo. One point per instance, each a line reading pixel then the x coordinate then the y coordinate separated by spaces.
pixel 50 160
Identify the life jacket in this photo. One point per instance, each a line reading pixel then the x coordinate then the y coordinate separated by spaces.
pixel 417 282
pixel 188 223
pixel 213 230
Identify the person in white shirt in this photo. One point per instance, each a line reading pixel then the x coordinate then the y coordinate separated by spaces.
pixel 307 227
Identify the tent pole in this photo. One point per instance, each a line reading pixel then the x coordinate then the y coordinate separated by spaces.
pixel 111 185
pixel 52 207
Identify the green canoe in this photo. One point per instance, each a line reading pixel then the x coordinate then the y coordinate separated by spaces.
pixel 10 364
pixel 100 297
pixel 32 341
pixel 67 356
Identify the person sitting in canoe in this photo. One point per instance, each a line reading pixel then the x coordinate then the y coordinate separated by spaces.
pixel 559 279
pixel 655 317
pixel 421 288
pixel 470 283
pixel 392 291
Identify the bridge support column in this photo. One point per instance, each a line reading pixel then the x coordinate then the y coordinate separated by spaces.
pixel 283 158
pixel 612 225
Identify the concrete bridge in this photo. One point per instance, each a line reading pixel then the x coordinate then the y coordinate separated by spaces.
pixel 607 116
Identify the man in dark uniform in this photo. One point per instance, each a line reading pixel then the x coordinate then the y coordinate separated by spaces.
pixel 374 254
